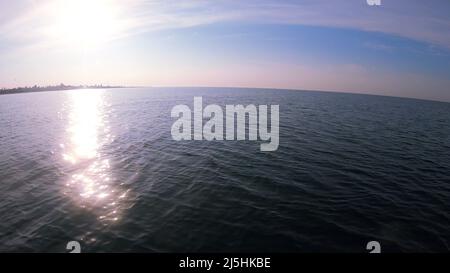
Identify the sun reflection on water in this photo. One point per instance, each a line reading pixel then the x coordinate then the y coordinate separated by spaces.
pixel 91 183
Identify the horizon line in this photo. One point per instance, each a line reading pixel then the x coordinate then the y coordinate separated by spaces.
pixel 107 86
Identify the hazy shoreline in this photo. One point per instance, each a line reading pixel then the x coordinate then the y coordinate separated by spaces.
pixel 61 87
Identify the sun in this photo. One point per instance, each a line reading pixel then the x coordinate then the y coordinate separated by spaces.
pixel 85 23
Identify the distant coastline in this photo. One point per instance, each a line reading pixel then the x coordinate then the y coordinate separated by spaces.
pixel 59 87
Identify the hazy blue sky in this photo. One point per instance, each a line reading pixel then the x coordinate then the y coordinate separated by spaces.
pixel 401 48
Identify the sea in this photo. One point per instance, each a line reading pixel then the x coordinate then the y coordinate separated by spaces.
pixel 100 167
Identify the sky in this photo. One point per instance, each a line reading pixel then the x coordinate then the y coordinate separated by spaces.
pixel 401 48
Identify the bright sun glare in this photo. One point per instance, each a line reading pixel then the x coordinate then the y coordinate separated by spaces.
pixel 85 23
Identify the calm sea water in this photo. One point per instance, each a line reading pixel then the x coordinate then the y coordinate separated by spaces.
pixel 100 167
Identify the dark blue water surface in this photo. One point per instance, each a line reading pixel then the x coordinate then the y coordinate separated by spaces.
pixel 100 167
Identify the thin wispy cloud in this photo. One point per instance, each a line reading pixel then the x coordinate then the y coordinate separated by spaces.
pixel 32 24
pixel 379 46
